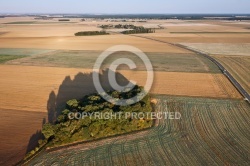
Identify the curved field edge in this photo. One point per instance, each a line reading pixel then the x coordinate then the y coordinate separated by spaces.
pixel 6 58
pixel 210 131
pixel 170 62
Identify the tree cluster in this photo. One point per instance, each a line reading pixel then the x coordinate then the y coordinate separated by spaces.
pixel 132 29
pixel 91 33
pixel 64 20
pixel 67 130
pixel 139 30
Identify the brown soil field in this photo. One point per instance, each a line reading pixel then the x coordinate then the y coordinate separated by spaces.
pixel 28 87
pixel 18 131
pixel 238 66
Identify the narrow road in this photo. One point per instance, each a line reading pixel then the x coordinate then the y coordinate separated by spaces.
pixel 237 85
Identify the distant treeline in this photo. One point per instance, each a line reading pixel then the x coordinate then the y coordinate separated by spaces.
pixel 91 33
pixel 43 18
pixel 119 26
pixel 64 20
pixel 236 17
pixel 132 29
pixel 139 30
pixel 164 16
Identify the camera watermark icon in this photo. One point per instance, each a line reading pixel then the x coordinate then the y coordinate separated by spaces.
pixel 112 78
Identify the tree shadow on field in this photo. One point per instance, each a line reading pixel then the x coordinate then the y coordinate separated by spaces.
pixel 76 88
pixel 33 141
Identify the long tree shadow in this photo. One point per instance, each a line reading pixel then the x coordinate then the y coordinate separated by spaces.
pixel 76 88
pixel 33 141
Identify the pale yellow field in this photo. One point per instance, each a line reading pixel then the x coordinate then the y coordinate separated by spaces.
pixel 209 32
pixel 200 38
pixel 28 88
pixel 45 30
pixel 238 66
pixel 221 48
pixel 87 43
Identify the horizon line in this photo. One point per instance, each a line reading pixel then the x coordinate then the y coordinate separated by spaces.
pixel 67 13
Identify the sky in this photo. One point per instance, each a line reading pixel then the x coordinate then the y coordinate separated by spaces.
pixel 125 7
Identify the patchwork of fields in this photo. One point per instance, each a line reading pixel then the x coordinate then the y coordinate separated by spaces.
pixel 44 65
pixel 209 132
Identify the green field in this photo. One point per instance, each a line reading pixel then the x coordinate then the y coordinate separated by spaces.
pixel 23 51
pixel 210 132
pixel 91 33
pixel 6 58
pixel 170 62
pixel 10 55
pixel 21 22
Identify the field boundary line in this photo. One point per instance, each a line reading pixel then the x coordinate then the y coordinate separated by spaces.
pixel 236 84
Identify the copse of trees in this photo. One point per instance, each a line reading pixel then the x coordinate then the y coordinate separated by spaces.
pixel 139 30
pixel 132 29
pixel 126 26
pixel 119 26
pixel 91 33
pixel 64 20
pixel 68 130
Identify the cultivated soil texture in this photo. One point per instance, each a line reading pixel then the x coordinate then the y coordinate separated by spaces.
pixel 44 65
pixel 209 131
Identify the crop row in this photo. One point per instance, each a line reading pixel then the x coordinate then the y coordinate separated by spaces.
pixel 210 131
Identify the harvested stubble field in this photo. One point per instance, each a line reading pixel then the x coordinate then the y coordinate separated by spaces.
pixel 203 38
pixel 87 43
pixel 221 48
pixel 44 29
pixel 209 132
pixel 201 32
pixel 238 66
pixel 170 62
pixel 28 87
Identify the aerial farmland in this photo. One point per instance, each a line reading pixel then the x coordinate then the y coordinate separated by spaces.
pixel 44 65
